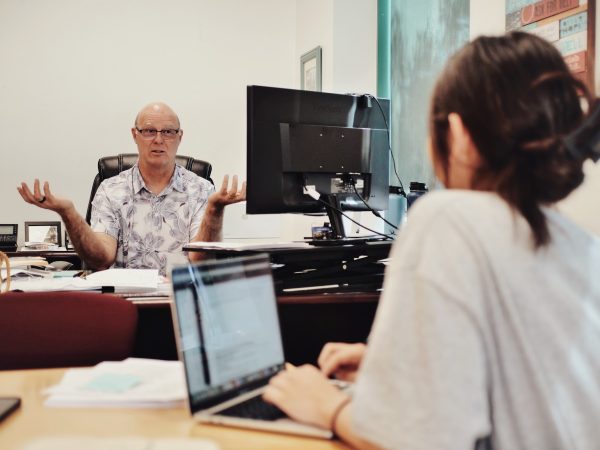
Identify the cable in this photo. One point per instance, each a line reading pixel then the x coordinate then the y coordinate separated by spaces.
pixel 387 127
pixel 352 220
pixel 375 213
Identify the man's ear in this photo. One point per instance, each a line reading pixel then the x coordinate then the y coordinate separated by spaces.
pixel 133 131
pixel 461 145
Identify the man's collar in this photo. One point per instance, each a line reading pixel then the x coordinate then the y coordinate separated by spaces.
pixel 137 181
pixel 176 183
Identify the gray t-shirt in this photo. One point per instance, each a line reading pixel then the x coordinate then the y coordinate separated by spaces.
pixel 150 228
pixel 478 333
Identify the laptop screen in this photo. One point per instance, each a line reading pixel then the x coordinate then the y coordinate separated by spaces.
pixel 227 324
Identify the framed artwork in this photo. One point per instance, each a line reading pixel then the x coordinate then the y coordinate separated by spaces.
pixel 310 70
pixel 568 24
pixel 422 39
pixel 47 232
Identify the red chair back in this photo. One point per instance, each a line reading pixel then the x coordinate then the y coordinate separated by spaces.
pixel 64 329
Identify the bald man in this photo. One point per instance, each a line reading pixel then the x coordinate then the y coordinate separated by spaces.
pixel 144 215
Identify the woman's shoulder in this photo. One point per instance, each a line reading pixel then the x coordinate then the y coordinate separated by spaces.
pixel 457 204
pixel 461 219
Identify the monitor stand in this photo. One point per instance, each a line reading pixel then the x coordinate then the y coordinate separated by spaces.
pixel 338 235
pixel 333 208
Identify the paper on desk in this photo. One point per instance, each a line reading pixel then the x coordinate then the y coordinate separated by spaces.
pixel 120 443
pixel 52 284
pixel 159 384
pixel 25 261
pixel 240 246
pixel 122 280
pixel 125 280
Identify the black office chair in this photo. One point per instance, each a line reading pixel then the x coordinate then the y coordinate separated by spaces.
pixel 109 166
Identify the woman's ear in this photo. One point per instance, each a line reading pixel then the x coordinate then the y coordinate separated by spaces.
pixel 462 148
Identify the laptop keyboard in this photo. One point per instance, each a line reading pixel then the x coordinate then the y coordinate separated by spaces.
pixel 254 408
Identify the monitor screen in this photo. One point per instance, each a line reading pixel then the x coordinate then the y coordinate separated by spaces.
pixel 334 144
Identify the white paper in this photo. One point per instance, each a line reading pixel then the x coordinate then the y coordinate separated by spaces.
pixel 122 280
pixel 126 279
pixel 239 246
pixel 162 385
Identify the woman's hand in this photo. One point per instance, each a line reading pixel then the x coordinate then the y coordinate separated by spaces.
pixel 341 360
pixel 304 394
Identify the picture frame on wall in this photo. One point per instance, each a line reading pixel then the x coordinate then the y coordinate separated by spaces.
pixel 569 25
pixel 43 232
pixel 310 70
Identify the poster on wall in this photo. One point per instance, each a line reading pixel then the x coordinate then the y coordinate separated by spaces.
pixel 568 24
pixel 423 37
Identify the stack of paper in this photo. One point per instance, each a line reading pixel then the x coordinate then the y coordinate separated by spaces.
pixel 26 261
pixel 40 246
pixel 131 383
pixel 242 246
pixel 111 280
pixel 126 280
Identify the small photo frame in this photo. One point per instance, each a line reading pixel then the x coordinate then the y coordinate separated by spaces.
pixel 310 70
pixel 46 232
pixel 68 244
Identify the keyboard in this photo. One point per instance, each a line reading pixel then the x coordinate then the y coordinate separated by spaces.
pixel 254 408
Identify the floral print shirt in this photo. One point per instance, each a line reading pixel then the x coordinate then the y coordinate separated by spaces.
pixel 150 229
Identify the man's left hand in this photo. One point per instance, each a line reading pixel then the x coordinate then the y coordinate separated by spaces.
pixel 226 195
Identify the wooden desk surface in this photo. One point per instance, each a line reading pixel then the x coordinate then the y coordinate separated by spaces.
pixel 34 420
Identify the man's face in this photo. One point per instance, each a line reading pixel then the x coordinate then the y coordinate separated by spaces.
pixel 156 151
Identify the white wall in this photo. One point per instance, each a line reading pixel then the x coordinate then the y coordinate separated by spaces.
pixel 347 32
pixel 75 72
pixel 583 206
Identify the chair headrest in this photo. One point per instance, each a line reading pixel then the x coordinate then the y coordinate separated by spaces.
pixel 109 166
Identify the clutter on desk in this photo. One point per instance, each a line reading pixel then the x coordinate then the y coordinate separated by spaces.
pixel 131 383
pixel 19 268
pixel 40 246
pixel 242 246
pixel 28 261
pixel 120 443
pixel 110 280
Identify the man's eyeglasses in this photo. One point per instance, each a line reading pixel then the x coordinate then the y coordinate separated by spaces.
pixel 150 133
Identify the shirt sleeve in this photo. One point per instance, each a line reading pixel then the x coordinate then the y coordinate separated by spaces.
pixel 423 383
pixel 104 218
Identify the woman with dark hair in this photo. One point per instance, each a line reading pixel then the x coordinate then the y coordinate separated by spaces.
pixel 488 331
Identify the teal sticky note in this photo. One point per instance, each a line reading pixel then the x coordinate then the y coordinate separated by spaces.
pixel 113 383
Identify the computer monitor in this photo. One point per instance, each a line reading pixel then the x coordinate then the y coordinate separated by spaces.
pixel 334 144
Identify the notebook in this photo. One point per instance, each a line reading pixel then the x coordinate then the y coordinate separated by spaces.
pixel 229 340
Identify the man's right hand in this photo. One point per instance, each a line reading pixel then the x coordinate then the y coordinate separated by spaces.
pixel 341 360
pixel 44 199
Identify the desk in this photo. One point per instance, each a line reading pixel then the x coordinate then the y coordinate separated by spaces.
pixel 51 256
pixel 307 322
pixel 352 267
pixel 33 420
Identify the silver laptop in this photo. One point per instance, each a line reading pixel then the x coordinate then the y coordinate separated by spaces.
pixel 228 337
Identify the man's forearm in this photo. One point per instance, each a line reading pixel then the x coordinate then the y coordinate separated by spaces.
pixel 211 229
pixel 90 247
